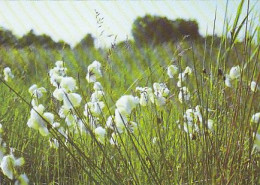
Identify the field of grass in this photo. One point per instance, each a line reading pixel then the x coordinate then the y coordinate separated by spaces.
pixel 204 136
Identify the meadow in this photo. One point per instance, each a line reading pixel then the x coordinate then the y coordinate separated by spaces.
pixel 182 113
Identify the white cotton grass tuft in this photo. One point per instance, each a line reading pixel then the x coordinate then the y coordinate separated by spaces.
pixel 8 75
pixel 160 92
pixel 210 124
pixel 57 73
pixel 193 121
pixel 235 72
pixel 8 164
pixel 114 138
pixel 144 99
pixel 38 119
pixel 95 108
pixel 126 104
pixel 97 96
pixel 154 140
pixel 120 121
pixel 100 133
pixel 36 92
pixel 228 81
pixel 257 141
pixel 146 95
pixel 2 149
pixel 59 64
pixel 161 89
pixel 110 122
pixel 68 83
pixel 22 180
pixel 94 72
pixel 254 87
pixel 97 86
pixel 59 93
pixel 71 100
pixel 172 70
pixel 182 77
pixel 159 101
pixel 184 94
pixel 188 71
pixel 56 125
pixel 157 97
pixel 55 80
pixel 1 129
pixel 64 111
pixel 255 118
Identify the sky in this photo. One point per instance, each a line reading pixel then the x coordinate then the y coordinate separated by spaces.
pixel 72 20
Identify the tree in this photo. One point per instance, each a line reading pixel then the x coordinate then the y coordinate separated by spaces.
pixel 27 39
pixel 62 45
pixel 187 28
pixel 44 41
pixel 7 38
pixel 86 42
pixel 157 30
pixel 154 30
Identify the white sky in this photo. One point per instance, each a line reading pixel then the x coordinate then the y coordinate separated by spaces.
pixel 72 20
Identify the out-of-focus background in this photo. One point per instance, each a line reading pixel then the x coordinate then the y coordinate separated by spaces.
pixel 71 21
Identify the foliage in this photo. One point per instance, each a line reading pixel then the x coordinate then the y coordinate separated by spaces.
pixel 7 38
pixel 187 28
pixel 205 135
pixel 206 156
pixel 31 39
pixel 86 42
pixel 157 30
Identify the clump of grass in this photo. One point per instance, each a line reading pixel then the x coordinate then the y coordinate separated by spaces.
pixel 175 114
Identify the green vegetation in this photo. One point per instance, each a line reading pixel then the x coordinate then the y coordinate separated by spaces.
pixel 208 138
pixel 157 30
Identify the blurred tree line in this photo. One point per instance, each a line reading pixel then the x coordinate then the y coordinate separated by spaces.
pixel 147 30
pixel 154 30
pixel 30 39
